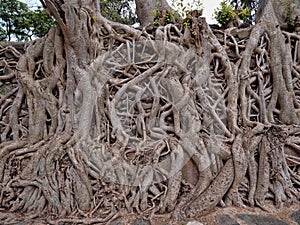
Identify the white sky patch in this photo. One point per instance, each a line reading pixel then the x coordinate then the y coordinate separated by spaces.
pixel 209 7
pixel 32 3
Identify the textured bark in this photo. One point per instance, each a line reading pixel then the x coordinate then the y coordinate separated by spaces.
pixel 285 10
pixel 99 120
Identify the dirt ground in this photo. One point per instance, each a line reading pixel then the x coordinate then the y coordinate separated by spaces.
pixel 283 214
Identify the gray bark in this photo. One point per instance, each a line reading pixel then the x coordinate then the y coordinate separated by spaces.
pixel 92 128
pixel 285 10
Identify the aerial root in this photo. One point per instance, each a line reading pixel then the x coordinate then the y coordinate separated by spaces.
pixel 119 135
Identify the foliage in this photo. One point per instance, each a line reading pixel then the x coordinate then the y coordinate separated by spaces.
pixel 18 22
pixel 244 14
pixel 227 12
pixel 108 122
pixel 183 8
pixel 40 22
pixel 180 8
pixel 251 4
pixel 188 17
pixel 12 15
pixel 118 11
pixel 167 16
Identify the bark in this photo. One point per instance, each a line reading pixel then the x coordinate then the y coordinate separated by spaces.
pixel 99 120
pixel 286 10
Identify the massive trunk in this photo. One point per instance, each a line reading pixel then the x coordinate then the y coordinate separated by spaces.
pixel 99 120
pixel 286 11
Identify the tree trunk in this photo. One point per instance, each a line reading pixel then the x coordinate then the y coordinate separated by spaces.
pixel 286 10
pixel 99 120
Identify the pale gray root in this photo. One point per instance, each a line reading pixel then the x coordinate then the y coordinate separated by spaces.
pixel 86 109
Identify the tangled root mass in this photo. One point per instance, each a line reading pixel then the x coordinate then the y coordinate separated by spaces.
pixel 164 121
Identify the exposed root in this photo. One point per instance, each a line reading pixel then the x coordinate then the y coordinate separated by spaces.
pixel 126 121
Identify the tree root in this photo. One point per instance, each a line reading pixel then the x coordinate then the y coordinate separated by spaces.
pixel 109 127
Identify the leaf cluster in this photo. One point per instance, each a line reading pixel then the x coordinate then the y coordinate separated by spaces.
pixel 249 4
pixel 167 16
pixel 187 22
pixel 227 12
pixel 184 7
pixel 180 9
pixel 118 11
pixel 19 22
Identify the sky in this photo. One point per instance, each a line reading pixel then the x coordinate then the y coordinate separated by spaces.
pixel 209 8
pixel 208 5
